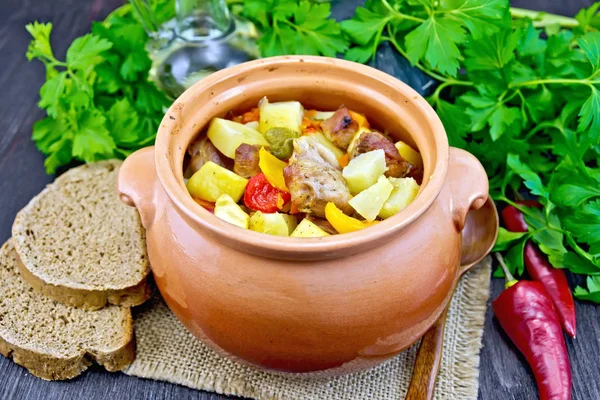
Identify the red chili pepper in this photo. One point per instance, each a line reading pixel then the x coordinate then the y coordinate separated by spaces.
pixel 527 315
pixel 260 195
pixel 538 267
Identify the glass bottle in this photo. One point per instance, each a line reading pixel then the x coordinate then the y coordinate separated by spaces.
pixel 202 38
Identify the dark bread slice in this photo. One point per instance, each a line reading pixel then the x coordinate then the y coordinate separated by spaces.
pixel 78 244
pixel 55 341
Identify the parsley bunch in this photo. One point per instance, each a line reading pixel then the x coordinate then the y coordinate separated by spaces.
pixel 295 27
pixel 519 90
pixel 99 101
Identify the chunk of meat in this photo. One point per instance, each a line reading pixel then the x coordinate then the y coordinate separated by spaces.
pixel 323 224
pixel 201 152
pixel 397 167
pixel 246 160
pixel 313 182
pixel 340 128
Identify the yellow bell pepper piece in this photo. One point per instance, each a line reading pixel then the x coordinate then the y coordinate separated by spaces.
pixel 360 119
pixel 343 223
pixel 272 167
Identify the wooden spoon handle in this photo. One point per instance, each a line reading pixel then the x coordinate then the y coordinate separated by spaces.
pixel 427 363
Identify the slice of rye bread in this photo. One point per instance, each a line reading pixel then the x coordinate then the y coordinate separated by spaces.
pixel 79 244
pixel 55 341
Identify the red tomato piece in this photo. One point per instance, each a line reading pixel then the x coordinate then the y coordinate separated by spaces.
pixel 260 195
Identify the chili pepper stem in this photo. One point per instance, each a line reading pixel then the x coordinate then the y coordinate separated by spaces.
pixel 510 279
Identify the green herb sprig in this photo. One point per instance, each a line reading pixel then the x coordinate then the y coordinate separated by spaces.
pixel 99 101
pixel 520 90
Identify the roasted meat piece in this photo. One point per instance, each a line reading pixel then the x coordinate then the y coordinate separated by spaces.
pixel 246 160
pixel 313 182
pixel 340 128
pixel 397 167
pixel 201 152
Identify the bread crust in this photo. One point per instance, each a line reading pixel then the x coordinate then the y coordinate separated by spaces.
pixel 39 358
pixel 52 368
pixel 88 298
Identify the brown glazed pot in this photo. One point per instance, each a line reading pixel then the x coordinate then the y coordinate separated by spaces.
pixel 339 303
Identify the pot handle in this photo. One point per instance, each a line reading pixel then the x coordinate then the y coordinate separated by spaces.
pixel 467 184
pixel 138 182
pixel 473 211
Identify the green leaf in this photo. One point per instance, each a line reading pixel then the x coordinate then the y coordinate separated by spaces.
pixel 149 99
pixel 40 47
pixel 590 44
pixel 258 11
pixel 51 92
pixel 491 53
pixel 45 132
pixel 61 153
pixel 436 40
pixel 570 188
pixel 531 43
pixel 585 223
pixel 506 239
pixel 541 105
pixel 593 292
pixel 577 264
pixel 501 119
pixel 514 258
pixel 123 122
pixel 531 180
pixel 588 17
pixel 92 141
pixel 134 64
pixel 589 116
pixel 456 122
pixel 85 51
pixel 481 17
pixel 543 230
pixel 316 33
pixel 360 54
pixel 365 24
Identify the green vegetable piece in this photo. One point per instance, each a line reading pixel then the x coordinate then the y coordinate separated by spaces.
pixel 281 142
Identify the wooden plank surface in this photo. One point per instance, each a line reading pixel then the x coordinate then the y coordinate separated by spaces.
pixel 504 373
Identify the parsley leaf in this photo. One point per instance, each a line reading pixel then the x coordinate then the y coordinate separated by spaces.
pixel 296 27
pixel 85 52
pixel 436 40
pixel 506 239
pixel 585 223
pixel 593 292
pixel 590 44
pixel 531 180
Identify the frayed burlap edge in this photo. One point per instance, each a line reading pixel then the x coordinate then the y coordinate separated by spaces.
pixel 458 378
pixel 465 358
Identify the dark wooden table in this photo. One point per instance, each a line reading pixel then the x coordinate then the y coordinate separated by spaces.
pixel 504 374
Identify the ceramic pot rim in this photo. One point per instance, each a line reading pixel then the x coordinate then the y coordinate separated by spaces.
pixel 172 183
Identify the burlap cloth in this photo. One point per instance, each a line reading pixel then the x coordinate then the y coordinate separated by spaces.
pixel 166 351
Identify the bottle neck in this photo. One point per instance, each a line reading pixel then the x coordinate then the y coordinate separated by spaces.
pixel 203 19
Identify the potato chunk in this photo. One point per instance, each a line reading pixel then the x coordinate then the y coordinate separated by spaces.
pixel 369 202
pixel 229 211
pixel 212 181
pixel 405 191
pixel 287 114
pixel 364 170
pixel 307 229
pixel 227 135
pixel 273 224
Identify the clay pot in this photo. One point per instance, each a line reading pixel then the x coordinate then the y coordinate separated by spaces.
pixel 339 303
